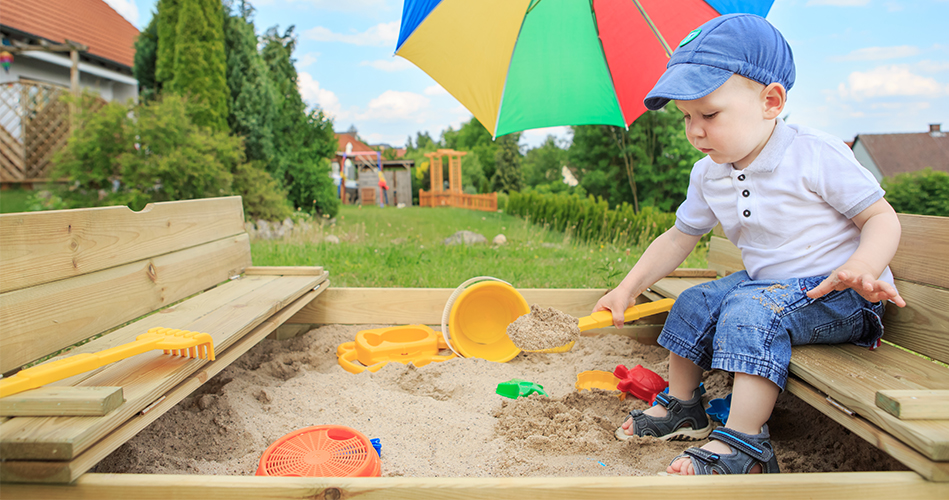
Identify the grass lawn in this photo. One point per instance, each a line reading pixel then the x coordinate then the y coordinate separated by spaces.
pixel 389 247
pixel 15 200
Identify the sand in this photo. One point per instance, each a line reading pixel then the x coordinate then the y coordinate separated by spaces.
pixel 543 328
pixel 444 419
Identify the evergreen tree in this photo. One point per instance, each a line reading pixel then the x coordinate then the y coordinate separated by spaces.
pixel 252 94
pixel 167 32
pixel 146 53
pixel 302 140
pixel 507 175
pixel 200 62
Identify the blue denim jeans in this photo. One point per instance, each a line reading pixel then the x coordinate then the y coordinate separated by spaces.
pixel 742 325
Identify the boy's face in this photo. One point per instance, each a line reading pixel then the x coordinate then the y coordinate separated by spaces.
pixel 729 124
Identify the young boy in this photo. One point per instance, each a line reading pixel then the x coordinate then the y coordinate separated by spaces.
pixel 815 233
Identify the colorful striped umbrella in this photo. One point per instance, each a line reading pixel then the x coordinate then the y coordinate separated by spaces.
pixel 523 64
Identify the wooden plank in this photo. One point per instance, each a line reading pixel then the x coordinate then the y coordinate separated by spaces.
pixel 915 405
pixel 672 287
pixel 852 376
pixel 40 247
pixel 64 472
pixel 692 272
pixel 724 257
pixel 42 319
pixel 923 325
pixel 283 271
pixel 819 486
pixel 924 247
pixel 928 469
pixel 148 376
pixel 60 401
pixel 393 306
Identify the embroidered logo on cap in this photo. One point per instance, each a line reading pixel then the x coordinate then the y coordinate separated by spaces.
pixel 691 36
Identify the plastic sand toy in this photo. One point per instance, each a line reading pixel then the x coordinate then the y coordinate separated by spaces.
pixel 516 388
pixel 642 383
pixel 718 409
pixel 321 451
pixel 597 379
pixel 417 344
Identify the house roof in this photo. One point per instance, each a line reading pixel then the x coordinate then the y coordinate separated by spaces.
pixel 89 22
pixel 359 147
pixel 899 153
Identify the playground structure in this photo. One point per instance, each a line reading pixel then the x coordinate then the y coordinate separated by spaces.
pixel 358 172
pixel 454 197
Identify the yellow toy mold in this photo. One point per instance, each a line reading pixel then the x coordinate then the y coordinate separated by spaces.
pixel 373 349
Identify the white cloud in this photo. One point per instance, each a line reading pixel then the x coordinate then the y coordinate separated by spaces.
pixel 839 3
pixel 929 66
pixel 396 105
pixel 880 53
pixel 381 35
pixel 394 64
pixel 890 81
pixel 435 90
pixel 125 8
pixel 312 93
pixel 307 59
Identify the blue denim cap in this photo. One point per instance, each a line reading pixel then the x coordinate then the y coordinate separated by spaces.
pixel 742 44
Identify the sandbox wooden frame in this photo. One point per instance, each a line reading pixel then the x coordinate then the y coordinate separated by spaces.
pixel 401 306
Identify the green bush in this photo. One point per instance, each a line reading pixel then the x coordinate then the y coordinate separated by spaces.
pixel 589 218
pixel 925 192
pixel 311 188
pixel 124 154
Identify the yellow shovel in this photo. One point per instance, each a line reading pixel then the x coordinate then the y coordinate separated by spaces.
pixel 174 342
pixel 602 319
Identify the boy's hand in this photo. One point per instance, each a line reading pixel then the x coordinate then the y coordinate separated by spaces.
pixel 616 301
pixel 861 280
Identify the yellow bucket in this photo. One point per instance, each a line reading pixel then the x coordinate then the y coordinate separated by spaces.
pixel 478 317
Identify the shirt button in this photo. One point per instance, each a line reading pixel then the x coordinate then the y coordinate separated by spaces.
pixel 746 193
pixel 746 213
pixel 741 177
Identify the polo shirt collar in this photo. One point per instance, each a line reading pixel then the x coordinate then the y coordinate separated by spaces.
pixel 767 160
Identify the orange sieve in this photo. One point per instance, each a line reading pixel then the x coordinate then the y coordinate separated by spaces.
pixel 321 451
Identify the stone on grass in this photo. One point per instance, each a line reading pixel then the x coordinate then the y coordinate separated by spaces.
pixel 332 238
pixel 499 239
pixel 465 237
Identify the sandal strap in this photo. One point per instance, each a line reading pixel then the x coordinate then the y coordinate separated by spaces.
pixel 668 402
pixel 747 444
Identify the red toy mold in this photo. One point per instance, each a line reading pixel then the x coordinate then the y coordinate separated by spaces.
pixel 640 382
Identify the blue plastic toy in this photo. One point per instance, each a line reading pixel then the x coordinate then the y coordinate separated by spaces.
pixel 516 388
pixel 377 444
pixel 719 408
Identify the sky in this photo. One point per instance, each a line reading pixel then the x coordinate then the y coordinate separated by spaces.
pixel 863 66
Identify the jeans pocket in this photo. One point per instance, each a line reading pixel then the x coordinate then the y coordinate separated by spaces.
pixel 862 328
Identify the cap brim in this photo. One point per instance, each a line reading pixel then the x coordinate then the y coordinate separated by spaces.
pixel 685 82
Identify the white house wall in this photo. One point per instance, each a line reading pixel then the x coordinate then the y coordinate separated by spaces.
pixel 54 68
pixel 863 156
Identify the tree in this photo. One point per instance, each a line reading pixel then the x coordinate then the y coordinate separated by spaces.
pixel 252 95
pixel 200 63
pixel 544 164
pixel 167 32
pixel 507 174
pixel 302 140
pixel 146 54
pixel 925 192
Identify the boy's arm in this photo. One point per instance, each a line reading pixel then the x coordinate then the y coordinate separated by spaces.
pixel 879 238
pixel 662 256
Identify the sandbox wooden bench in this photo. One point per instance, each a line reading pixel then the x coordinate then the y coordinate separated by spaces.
pixel 393 306
pixel 69 275
pixel 896 397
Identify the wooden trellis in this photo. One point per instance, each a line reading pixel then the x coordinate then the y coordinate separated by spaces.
pixel 34 125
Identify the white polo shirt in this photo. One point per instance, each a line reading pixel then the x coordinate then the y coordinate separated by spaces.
pixel 789 211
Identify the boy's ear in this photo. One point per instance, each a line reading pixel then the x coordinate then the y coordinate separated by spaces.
pixel 773 99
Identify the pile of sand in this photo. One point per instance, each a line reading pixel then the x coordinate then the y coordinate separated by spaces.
pixel 444 419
